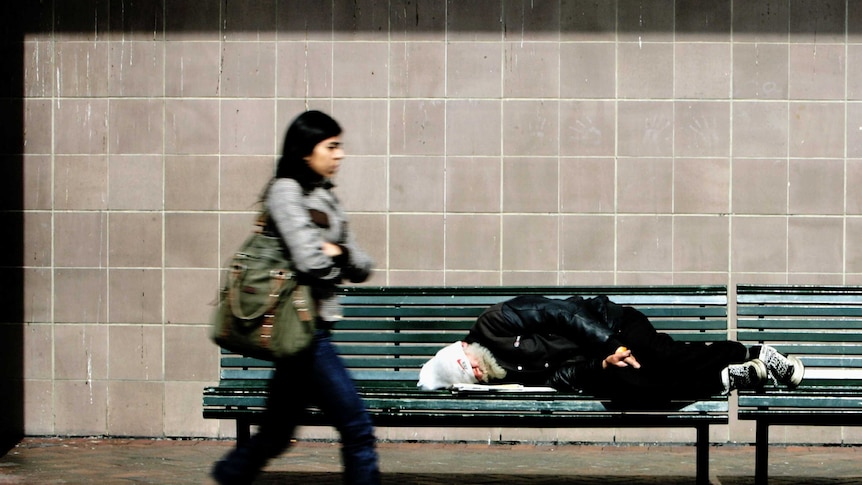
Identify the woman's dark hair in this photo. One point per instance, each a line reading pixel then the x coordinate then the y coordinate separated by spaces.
pixel 303 134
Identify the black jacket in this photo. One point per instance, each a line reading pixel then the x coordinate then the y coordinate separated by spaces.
pixel 532 336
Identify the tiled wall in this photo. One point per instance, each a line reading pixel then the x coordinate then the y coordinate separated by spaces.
pixel 490 142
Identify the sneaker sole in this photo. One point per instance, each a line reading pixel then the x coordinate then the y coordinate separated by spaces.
pixel 798 371
pixel 761 370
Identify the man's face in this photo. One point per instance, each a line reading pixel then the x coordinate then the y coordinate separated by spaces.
pixel 474 363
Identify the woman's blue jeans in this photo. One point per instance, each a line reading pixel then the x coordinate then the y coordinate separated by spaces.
pixel 316 375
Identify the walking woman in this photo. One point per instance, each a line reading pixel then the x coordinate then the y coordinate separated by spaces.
pixel 310 220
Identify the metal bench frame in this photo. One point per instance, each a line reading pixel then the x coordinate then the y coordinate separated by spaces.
pixel 389 332
pixel 823 326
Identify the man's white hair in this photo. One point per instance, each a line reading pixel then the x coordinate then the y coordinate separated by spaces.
pixel 487 362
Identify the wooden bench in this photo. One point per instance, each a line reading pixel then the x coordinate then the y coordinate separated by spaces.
pixel 389 332
pixel 823 326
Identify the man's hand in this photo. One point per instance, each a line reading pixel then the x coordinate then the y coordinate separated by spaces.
pixel 331 250
pixel 622 357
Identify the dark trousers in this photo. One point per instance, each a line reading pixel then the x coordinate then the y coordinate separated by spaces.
pixel 669 368
pixel 314 376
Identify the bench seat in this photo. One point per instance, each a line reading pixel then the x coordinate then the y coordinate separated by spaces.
pixel 389 332
pixel 822 325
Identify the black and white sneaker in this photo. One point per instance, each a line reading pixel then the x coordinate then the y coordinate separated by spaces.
pixel 787 370
pixel 748 375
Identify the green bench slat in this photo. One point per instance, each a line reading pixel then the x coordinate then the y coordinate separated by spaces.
pixel 793 324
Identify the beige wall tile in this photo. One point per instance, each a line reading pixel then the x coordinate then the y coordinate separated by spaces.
pixel 830 17
pixel 705 22
pixel 759 129
pixel 81 126
pixel 701 186
pixel 416 278
pixel 80 407
pixel 135 352
pixel 760 22
pixel 192 68
pixel 361 183
pixel 135 296
pixel 360 69
pixel 760 71
pixel 136 182
pixel 192 182
pixel 702 70
pixel 248 69
pixel 816 186
pixel 38 236
pixel 38 360
pixel 79 295
pixel 587 185
pixel 190 355
pixel 415 185
pixel 645 70
pixel 854 72
pixel 137 126
pixel 818 71
pixel 246 127
pixel 473 184
pixel 184 411
pixel 532 21
pixel 759 244
pixel 233 230
pixel 136 239
pixel 38 60
pixel 815 245
pixel 588 128
pixel 472 243
pixel 191 240
pixel 531 128
pixel 371 232
pixel 473 127
pixel 135 408
pixel 644 243
pixel 191 126
pixel 587 21
pixel 853 205
pixel 38 297
pixel 853 240
pixel 82 68
pixel 81 182
pixel 304 69
pixel 416 127
pixel 587 243
pixel 38 182
pixel 645 128
pixel 700 244
pixel 531 70
pixel 416 242
pixel 529 278
pixel 417 70
pixel 363 121
pixel 473 278
pixel 473 70
pixel 759 186
pixel 253 21
pixel 190 295
pixel 474 21
pixel 37 126
pixel 645 185
pixel 360 20
pixel 136 68
pixel 81 239
pixel 530 184
pixel 243 181
pixel 816 130
pixel 587 70
pixel 39 407
pixel 702 129
pixel 80 352
pixel 530 243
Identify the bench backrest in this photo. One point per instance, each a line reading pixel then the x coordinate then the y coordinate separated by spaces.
pixel 389 332
pixel 820 324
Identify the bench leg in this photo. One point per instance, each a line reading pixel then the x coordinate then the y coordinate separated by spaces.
pixel 702 454
pixel 761 452
pixel 243 430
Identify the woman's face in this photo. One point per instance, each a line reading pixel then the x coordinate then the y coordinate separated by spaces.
pixel 326 157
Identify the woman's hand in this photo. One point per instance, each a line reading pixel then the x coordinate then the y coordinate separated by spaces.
pixel 622 357
pixel 331 250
